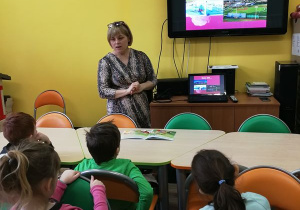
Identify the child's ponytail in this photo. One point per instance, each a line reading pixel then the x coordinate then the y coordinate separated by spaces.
pixel 23 168
pixel 13 169
pixel 215 176
pixel 227 197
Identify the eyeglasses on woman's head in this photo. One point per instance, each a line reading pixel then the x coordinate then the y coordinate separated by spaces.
pixel 116 24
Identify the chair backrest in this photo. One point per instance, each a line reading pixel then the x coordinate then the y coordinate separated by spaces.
pixel 78 194
pixel 188 120
pixel 49 97
pixel 5 206
pixel 281 188
pixel 120 120
pixel 118 186
pixel 54 120
pixel 194 200
pixel 264 123
pixel 121 191
pixel 296 173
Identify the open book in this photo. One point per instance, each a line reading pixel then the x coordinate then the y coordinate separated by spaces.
pixel 155 134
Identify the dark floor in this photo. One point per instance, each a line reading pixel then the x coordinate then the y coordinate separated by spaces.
pixel 173 198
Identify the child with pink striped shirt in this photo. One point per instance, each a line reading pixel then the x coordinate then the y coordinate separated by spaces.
pixel 28 178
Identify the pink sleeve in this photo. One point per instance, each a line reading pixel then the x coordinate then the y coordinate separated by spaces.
pixel 69 207
pixel 59 191
pixel 99 195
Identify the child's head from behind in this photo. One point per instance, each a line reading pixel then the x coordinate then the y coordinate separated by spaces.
pixel 103 141
pixel 29 169
pixel 215 176
pixel 18 126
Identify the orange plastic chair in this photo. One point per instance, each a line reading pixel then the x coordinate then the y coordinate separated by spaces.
pixel 54 120
pixel 49 97
pixel 118 186
pixel 281 188
pixel 194 200
pixel 120 120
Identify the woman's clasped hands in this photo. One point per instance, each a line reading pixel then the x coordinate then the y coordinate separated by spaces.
pixel 134 88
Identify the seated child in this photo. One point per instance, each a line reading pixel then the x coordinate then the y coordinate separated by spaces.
pixel 18 126
pixel 28 178
pixel 103 143
pixel 215 176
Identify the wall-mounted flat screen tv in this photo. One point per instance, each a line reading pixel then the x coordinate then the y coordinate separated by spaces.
pixel 210 18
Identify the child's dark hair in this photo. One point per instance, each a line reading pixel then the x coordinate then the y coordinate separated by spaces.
pixel 215 176
pixel 18 126
pixel 102 141
pixel 24 167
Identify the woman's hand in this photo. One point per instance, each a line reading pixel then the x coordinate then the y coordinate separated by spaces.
pixel 137 88
pixel 95 182
pixel 134 88
pixel 69 176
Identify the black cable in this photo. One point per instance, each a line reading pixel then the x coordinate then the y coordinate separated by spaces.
pixel 161 44
pixel 174 58
pixel 208 54
pixel 183 54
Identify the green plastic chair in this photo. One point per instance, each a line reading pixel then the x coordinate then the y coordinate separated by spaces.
pixel 78 194
pixel 264 123
pixel 5 206
pixel 188 120
pixel 121 191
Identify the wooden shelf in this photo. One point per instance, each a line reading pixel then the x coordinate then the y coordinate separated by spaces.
pixel 221 116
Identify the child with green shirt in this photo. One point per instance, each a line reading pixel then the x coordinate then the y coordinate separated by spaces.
pixel 103 143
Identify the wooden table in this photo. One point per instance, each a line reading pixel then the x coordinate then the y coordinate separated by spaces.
pixel 221 116
pixel 247 149
pixel 3 141
pixel 158 153
pixel 65 142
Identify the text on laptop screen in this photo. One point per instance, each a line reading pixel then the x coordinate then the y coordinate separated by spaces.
pixel 207 84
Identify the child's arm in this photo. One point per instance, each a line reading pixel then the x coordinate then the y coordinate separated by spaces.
pixel 145 189
pixel 67 177
pixel 99 195
pixel 59 191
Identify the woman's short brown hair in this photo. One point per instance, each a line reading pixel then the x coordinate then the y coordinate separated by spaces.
pixel 119 27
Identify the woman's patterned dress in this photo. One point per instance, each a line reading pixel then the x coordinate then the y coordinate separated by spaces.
pixel 114 75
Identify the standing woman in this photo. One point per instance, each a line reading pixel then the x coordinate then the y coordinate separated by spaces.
pixel 124 75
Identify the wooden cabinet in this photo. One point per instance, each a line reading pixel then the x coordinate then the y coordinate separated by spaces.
pixel 221 116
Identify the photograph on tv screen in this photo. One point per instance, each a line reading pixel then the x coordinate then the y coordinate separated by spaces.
pixel 207 85
pixel 225 14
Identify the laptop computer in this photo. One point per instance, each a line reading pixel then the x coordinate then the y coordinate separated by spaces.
pixel 209 87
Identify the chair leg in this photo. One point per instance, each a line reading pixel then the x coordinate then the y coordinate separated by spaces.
pixel 154 202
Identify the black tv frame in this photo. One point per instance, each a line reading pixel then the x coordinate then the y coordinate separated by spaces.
pixel 177 20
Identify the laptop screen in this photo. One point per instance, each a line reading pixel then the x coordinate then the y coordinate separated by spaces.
pixel 207 84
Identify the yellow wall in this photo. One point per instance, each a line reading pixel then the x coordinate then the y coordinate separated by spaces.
pixel 56 44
